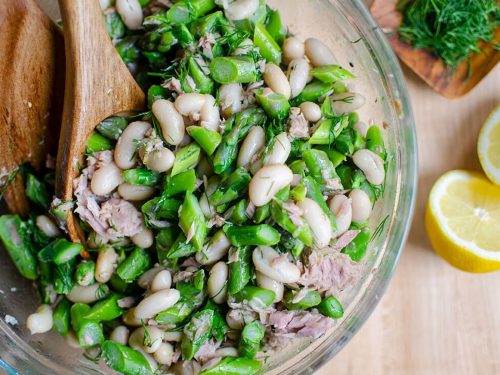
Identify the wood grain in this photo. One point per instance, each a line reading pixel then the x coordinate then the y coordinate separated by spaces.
pixel 426 65
pixel 434 319
pixel 98 85
pixel 31 54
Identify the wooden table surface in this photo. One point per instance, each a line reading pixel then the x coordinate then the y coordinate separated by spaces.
pixel 434 319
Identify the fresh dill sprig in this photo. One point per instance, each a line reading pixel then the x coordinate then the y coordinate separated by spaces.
pixel 449 29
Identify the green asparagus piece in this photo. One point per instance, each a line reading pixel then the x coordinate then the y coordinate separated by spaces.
pixel 275 27
pixel 107 309
pixel 328 130
pixel 320 167
pixel 233 69
pixel 268 47
pixel 331 307
pixel 196 333
pixel 238 212
pixel 156 92
pixel 183 35
pixel 192 221
pixel 142 176
pixel 262 213
pixel 234 366
pixel 191 298
pixel 36 192
pixel 124 359
pixel 61 317
pixel 276 105
pixel 15 238
pixel 138 262
pixel 313 92
pixel 112 127
pixel 114 24
pixel 97 142
pixel 293 245
pixel 118 285
pixel 208 139
pixel 357 248
pixel 250 340
pixel 46 282
pixel 160 208
pixel 60 251
pixel 180 183
pixel 63 277
pixel 199 279
pixel 331 73
pixel 219 326
pixel 89 332
pixel 186 158
pixel 311 299
pixel 180 248
pixel 255 235
pixel 207 24
pixel 240 271
pixel 282 218
pixel 186 11
pixel 298 193
pixel 375 141
pixel 258 298
pixel 349 141
pixel 128 50
pixel 335 157
pixel 84 274
pixel 204 83
pixel 299 166
pixel 227 151
pixel 231 188
pixel 164 240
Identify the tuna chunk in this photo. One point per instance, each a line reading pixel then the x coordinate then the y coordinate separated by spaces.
pixel 122 217
pixel 299 128
pixel 299 324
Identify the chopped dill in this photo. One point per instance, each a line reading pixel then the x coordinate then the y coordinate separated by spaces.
pixel 380 228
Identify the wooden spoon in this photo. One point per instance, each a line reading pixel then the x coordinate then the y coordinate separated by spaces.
pixel 98 85
pixel 31 86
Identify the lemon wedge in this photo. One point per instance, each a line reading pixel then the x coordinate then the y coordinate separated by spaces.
pixel 488 146
pixel 463 221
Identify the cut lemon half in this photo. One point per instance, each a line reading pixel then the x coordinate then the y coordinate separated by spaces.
pixel 463 221
pixel 488 146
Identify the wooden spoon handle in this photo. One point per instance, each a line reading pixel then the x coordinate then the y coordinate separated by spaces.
pixel 98 85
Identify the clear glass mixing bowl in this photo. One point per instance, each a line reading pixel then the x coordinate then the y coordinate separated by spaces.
pixel 347 27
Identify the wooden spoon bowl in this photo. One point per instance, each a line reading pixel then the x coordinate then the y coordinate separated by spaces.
pixel 31 86
pixel 98 85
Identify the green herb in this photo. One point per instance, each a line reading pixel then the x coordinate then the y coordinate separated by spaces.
pixel 450 29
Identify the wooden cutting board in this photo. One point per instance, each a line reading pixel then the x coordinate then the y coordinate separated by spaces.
pixel 434 319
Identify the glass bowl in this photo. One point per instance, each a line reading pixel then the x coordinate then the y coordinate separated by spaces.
pixel 359 44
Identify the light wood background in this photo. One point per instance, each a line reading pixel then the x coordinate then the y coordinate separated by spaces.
pixel 434 319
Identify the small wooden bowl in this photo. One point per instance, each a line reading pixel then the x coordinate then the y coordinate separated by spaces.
pixel 429 67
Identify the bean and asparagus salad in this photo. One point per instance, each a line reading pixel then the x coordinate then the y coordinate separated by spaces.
pixel 225 220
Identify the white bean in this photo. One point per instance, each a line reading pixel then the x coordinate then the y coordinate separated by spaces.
pixel 241 9
pixel 267 283
pixel 144 238
pixel 276 79
pixel 311 111
pixel 106 264
pixel 292 49
pixel 216 249
pixel 147 277
pixel 47 226
pixel 162 280
pixel 318 53
pixel 217 282
pixel 237 319
pixel 347 102
pixel 209 115
pixel 120 334
pixel 371 164
pixel 253 143
pixel 126 147
pixel 362 128
pixel 226 352
pixel 267 182
pixel 85 294
pixel 106 179
pixel 188 104
pixel 164 354
pixel 150 342
pixel 298 72
pixel 318 221
pixel 156 302
pixel 361 205
pixel 130 12
pixel 172 336
pixel 130 319
pixel 160 160
pixel 171 122
pixel 280 150
pixel 230 99
pixel 244 47
pixel 133 193
pixel 40 321
pixel 341 208
pixel 271 264
pixel 152 362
